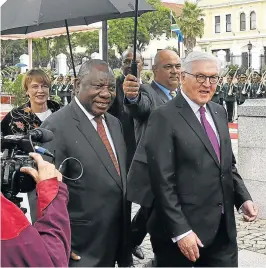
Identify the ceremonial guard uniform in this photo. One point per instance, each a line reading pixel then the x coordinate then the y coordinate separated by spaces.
pixel 243 89
pixel 218 96
pixel 230 90
pixel 67 91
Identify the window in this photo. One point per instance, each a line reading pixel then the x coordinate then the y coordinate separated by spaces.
pixel 242 22
pixel 217 24
pixel 228 23
pixel 253 20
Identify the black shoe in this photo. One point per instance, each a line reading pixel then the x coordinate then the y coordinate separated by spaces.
pixel 137 252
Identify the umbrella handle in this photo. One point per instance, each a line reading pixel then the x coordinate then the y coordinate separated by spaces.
pixel 134 68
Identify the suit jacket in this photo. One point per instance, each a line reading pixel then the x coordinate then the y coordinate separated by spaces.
pixel 150 98
pixel 191 187
pixel 97 201
pixel 119 111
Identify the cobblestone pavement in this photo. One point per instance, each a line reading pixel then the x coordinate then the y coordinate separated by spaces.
pixel 251 236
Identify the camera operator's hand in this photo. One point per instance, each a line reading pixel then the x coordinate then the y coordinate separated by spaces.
pixel 45 169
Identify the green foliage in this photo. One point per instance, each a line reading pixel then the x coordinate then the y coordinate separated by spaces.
pixel 88 40
pixel 11 50
pixel 173 48
pixel 232 68
pixel 190 24
pixel 113 61
pixel 263 69
pixel 14 88
pixel 151 25
pixel 146 76
pixel 56 98
pixel 117 72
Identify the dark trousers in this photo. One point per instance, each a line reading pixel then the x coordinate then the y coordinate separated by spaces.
pixel 230 110
pixel 221 253
pixel 138 226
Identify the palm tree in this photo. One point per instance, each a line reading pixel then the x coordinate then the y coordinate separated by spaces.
pixel 191 24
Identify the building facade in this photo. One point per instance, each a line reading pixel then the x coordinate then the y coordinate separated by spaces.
pixel 230 26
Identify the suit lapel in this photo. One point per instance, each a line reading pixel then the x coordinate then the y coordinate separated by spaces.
pixel 221 128
pixel 191 119
pixel 161 94
pixel 91 135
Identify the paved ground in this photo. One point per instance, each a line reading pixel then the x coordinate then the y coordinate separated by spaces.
pixel 251 239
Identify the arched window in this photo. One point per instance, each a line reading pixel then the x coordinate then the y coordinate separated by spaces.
pixel 253 20
pixel 242 22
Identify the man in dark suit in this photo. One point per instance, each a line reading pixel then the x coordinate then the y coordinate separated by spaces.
pixel 141 100
pixel 119 111
pixel 193 175
pixel 97 205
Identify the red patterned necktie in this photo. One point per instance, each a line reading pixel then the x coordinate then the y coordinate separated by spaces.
pixel 102 133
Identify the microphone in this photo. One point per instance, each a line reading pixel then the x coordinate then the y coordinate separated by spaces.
pixel 41 135
pixel 43 151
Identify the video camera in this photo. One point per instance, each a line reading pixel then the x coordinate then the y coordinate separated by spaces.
pixel 15 150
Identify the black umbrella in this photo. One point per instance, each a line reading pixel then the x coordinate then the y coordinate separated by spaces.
pixel 25 16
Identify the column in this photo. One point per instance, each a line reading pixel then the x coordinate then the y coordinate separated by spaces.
pixel 61 64
pixel 252 149
pixel 221 55
pixel 24 59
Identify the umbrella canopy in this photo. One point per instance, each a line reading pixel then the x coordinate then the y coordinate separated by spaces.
pixel 25 16
pixel 53 32
pixel 21 65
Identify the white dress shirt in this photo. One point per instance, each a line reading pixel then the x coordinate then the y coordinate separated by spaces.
pixel 195 108
pixel 91 118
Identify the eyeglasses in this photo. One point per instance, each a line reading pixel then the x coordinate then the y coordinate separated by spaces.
pixel 201 78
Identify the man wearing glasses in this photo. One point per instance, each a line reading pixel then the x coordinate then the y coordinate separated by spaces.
pixel 193 176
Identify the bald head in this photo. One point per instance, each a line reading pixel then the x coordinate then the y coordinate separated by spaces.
pixel 167 69
pixel 162 54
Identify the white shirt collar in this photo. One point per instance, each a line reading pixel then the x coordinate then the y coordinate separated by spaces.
pixel 194 106
pixel 89 115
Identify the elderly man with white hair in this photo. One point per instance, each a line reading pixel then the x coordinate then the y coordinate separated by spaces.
pixel 193 175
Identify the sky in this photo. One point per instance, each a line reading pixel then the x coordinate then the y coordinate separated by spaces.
pixel 2 2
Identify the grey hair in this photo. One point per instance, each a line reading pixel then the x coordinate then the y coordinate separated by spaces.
pixel 88 66
pixel 130 50
pixel 199 56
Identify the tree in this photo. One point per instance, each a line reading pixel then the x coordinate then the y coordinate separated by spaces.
pixel 88 40
pixel 151 25
pixel 191 24
pixel 40 52
pixel 11 50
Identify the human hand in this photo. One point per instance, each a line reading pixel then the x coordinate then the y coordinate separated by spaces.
pixel 45 169
pixel 250 211
pixel 74 256
pixel 189 246
pixel 131 86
